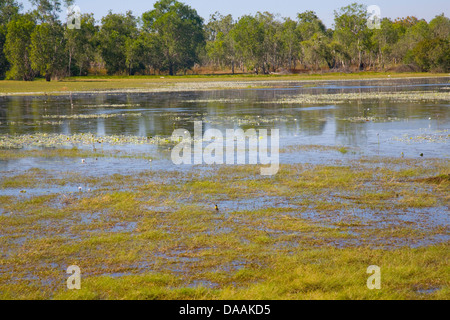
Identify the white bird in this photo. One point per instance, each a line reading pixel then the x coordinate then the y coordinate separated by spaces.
pixel 83 161
pixel 79 188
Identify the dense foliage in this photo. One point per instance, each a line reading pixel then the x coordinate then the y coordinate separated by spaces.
pixel 173 38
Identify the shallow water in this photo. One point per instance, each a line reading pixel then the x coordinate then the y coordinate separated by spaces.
pixel 382 128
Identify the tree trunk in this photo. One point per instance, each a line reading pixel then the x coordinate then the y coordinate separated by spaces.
pixel 70 63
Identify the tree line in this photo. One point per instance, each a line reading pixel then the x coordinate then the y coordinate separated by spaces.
pixel 172 38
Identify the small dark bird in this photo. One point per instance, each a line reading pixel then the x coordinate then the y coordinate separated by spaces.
pixel 217 208
pixel 421 154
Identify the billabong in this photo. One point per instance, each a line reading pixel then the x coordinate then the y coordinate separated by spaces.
pixel 213 153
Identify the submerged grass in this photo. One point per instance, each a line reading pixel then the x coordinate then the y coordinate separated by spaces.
pixel 309 232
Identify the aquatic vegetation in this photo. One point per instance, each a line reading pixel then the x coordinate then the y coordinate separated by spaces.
pixel 126 105
pixel 439 136
pixel 320 148
pixel 92 116
pixel 61 140
pixel 339 98
pixel 246 120
pixel 161 228
pixel 370 119
pixel 33 123
pixel 215 101
pixel 152 230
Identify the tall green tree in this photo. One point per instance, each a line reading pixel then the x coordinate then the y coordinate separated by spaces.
pixel 413 35
pixel 220 47
pixel 272 45
pixel 433 55
pixel 290 37
pixel 48 10
pixel 248 35
pixel 315 50
pixel 18 46
pixel 81 45
pixel 8 10
pixel 351 30
pixel 115 31
pixel 309 24
pixel 180 32
pixel 143 55
pixel 440 27
pixel 47 52
pixel 384 39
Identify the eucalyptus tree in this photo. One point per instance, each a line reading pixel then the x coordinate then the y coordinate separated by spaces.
pixel 315 40
pixel 8 10
pixel 18 46
pixel 48 44
pixel 384 40
pixel 440 27
pixel 81 45
pixel 432 53
pixel 115 33
pixel 220 45
pixel 272 44
pixel 248 35
pixel 48 10
pixel 351 30
pixel 180 32
pixel 412 36
pixel 309 24
pixel 290 38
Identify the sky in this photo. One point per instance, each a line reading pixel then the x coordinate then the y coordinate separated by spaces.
pixel 426 9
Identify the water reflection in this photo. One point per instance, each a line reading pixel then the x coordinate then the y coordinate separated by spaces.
pixel 224 109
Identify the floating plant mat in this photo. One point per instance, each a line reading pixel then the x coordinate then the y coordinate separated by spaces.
pixel 441 136
pixel 112 105
pixel 61 140
pixel 33 123
pixel 247 119
pixel 92 116
pixel 215 100
pixel 416 96
pixel 371 119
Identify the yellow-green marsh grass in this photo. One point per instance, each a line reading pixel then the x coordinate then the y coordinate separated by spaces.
pixel 182 83
pixel 309 232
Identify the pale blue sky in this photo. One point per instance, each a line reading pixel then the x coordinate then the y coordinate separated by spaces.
pixel 426 9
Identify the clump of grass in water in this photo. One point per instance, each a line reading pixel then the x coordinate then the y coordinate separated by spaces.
pixel 92 116
pixel 339 98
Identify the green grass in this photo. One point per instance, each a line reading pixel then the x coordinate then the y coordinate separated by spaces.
pixel 302 234
pixel 102 83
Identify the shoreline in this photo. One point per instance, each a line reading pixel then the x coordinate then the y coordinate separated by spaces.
pixel 182 84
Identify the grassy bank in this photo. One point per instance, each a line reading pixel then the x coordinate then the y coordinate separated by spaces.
pixel 167 83
pixel 312 233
